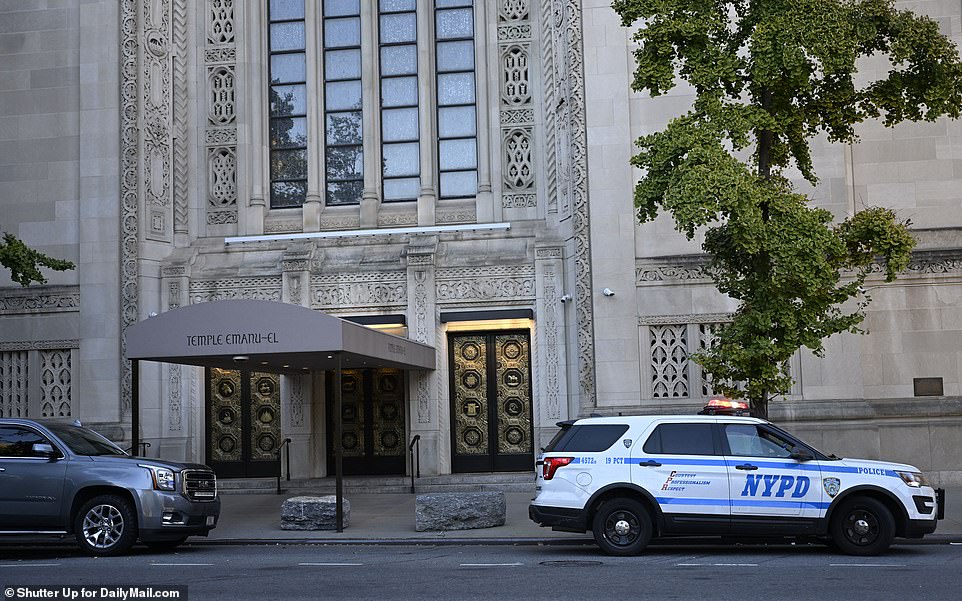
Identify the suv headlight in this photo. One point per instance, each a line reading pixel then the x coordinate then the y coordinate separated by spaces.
pixel 163 477
pixel 913 479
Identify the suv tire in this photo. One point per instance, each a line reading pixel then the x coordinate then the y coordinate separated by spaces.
pixel 106 525
pixel 622 527
pixel 862 526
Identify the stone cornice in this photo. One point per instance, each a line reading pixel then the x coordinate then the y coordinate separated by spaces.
pixel 690 269
pixel 39 345
pixel 45 299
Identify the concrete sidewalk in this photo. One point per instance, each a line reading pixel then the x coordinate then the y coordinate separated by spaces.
pixel 386 518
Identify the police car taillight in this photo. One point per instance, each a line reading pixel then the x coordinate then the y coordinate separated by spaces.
pixel 551 464
pixel 723 406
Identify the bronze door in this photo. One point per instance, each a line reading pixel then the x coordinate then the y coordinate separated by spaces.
pixel 243 423
pixel 491 426
pixel 372 421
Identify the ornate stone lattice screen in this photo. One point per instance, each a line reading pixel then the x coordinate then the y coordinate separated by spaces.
pixel 517 104
pixel 220 136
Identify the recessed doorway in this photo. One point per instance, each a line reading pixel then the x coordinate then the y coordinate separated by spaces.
pixel 491 425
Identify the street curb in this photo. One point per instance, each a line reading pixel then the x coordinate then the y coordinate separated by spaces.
pixel 397 541
pixel 944 539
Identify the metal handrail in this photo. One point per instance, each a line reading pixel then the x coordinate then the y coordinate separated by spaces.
pixel 415 442
pixel 280 449
pixel 144 445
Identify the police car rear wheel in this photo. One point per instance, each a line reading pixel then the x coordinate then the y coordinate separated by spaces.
pixel 622 527
pixel 863 526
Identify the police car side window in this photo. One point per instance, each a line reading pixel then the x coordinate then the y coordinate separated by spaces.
pixel 589 439
pixel 749 440
pixel 681 439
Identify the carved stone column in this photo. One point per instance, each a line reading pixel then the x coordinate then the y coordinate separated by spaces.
pixel 567 171
pixel 422 326
pixel 297 395
pixel 297 276
pixel 178 402
pixel 552 363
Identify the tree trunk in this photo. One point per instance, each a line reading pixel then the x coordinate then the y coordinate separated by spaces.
pixel 759 406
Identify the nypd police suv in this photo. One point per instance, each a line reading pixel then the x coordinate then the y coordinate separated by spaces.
pixel 628 479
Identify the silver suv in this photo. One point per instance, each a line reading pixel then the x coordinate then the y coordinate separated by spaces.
pixel 57 478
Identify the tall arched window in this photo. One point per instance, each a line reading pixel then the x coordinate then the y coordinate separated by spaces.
pixel 370 54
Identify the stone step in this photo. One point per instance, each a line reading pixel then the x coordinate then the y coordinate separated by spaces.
pixel 507 482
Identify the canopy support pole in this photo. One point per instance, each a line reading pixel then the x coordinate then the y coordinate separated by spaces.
pixel 338 450
pixel 134 406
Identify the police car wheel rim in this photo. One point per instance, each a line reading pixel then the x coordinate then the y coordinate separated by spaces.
pixel 861 527
pixel 622 528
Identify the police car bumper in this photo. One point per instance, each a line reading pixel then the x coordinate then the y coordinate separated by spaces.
pixel 564 519
pixel 919 528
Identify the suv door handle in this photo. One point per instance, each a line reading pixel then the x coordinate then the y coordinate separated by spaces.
pixel 649 463
pixel 3 469
pixel 746 466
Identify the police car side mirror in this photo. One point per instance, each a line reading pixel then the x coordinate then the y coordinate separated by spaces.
pixel 800 454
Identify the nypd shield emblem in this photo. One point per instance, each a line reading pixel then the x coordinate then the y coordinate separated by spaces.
pixel 831 486
pixel 627 443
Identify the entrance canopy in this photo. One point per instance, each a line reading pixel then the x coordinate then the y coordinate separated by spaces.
pixel 269 336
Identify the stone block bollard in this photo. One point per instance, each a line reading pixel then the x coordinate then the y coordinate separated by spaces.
pixel 313 513
pixel 459 511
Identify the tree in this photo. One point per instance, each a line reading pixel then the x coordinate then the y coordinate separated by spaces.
pixel 24 263
pixel 768 76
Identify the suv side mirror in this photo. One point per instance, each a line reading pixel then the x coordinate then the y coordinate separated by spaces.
pixel 800 454
pixel 42 449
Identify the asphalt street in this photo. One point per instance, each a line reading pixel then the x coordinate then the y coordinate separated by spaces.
pixel 425 572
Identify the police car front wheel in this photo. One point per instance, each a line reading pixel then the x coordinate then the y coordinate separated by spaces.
pixel 622 527
pixel 863 526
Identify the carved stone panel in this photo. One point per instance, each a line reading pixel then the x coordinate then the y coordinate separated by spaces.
pixel 221 95
pixel 480 284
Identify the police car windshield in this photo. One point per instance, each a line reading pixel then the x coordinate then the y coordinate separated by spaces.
pixel 815 452
pixel 84 442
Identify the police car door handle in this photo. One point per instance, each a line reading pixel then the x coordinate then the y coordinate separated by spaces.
pixel 746 466
pixel 649 463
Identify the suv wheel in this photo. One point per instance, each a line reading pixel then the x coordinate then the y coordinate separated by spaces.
pixel 863 526
pixel 106 525
pixel 622 527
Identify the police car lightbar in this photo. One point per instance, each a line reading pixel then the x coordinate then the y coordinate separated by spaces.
pixel 723 406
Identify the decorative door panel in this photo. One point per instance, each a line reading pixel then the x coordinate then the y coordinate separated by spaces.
pixel 514 394
pixel 243 423
pixel 265 431
pixel 388 413
pixel 224 430
pixel 491 404
pixel 352 413
pixel 372 421
pixel 470 395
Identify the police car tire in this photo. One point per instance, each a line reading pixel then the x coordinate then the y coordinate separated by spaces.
pixel 622 527
pixel 863 526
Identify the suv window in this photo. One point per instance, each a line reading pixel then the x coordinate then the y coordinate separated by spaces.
pixel 83 441
pixel 753 441
pixel 681 439
pixel 587 439
pixel 17 441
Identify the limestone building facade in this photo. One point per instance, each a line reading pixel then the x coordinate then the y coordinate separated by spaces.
pixel 453 171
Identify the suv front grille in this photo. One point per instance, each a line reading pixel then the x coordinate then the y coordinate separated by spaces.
pixel 200 486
